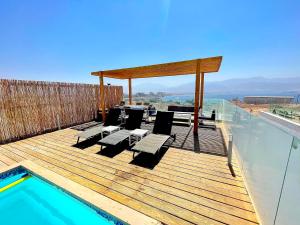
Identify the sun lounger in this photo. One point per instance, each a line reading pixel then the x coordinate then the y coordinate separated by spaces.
pixel 182 118
pixel 212 117
pixel 112 119
pixel 161 134
pixel 151 143
pixel 89 133
pixel 115 138
pixel 133 122
pixel 211 121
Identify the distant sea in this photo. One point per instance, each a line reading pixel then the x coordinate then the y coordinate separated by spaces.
pixel 178 98
pixel 190 97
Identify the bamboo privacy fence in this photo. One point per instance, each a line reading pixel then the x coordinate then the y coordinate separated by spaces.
pixel 34 107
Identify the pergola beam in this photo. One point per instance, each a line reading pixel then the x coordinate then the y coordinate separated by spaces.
pixel 208 65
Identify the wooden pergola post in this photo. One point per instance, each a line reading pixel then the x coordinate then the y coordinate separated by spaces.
pixel 102 99
pixel 202 92
pixel 129 91
pixel 196 106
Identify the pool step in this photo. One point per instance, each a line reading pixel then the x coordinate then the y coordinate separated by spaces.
pixel 14 183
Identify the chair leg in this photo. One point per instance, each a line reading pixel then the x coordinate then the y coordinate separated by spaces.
pixel 78 139
pixel 101 148
pixel 174 137
pixel 157 154
pixel 133 155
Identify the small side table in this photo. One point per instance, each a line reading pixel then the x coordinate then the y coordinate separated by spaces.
pixel 137 135
pixel 110 129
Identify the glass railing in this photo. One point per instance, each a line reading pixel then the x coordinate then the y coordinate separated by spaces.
pixel 162 103
pixel 289 209
pixel 269 157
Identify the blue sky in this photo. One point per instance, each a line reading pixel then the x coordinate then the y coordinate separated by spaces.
pixel 66 40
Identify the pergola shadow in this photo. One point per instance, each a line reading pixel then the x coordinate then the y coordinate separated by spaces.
pixel 208 141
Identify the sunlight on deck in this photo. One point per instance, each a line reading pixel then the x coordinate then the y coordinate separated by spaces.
pixel 183 188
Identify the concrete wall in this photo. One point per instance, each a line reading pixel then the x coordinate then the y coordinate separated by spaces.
pixel 268 99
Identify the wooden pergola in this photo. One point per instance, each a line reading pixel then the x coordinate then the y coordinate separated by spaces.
pixel 196 66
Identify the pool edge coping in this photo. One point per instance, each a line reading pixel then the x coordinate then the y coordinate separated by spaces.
pixel 97 200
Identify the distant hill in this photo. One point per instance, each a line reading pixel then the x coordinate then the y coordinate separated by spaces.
pixel 236 87
pixel 149 87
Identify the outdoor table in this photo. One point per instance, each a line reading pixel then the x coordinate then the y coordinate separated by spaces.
pixel 109 129
pixel 137 135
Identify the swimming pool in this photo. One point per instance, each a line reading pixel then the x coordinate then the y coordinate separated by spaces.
pixel 29 200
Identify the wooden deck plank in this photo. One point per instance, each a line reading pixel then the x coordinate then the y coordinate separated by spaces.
pixel 133 170
pixel 206 163
pixel 144 208
pixel 211 184
pixel 164 196
pixel 90 174
pixel 177 191
pixel 83 180
pixel 121 155
pixel 113 174
pixel 200 165
pixel 226 177
pixel 123 199
pixel 2 164
pixel 198 178
pixel 194 172
pixel 107 162
pixel 6 160
pixel 169 177
pixel 214 160
pixel 10 157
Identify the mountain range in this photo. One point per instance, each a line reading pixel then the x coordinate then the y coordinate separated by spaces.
pixel 233 87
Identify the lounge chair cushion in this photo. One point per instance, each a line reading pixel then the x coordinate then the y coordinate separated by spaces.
pixel 135 119
pixel 151 143
pixel 163 123
pixel 115 138
pixel 112 118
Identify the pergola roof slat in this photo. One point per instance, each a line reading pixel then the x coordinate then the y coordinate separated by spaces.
pixel 207 65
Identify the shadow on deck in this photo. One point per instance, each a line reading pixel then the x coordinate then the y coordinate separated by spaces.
pixel 208 140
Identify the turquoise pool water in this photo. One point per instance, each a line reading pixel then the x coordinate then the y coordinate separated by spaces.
pixel 36 202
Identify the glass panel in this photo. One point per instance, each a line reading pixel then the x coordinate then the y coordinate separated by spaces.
pixel 263 151
pixel 211 104
pixel 289 207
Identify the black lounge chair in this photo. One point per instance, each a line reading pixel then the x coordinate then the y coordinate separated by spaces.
pixel 212 117
pixel 160 135
pixel 133 122
pixel 211 124
pixel 111 120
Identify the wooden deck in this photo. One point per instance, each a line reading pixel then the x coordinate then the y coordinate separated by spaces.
pixel 183 188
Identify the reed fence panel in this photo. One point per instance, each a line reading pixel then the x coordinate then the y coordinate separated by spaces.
pixel 33 107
